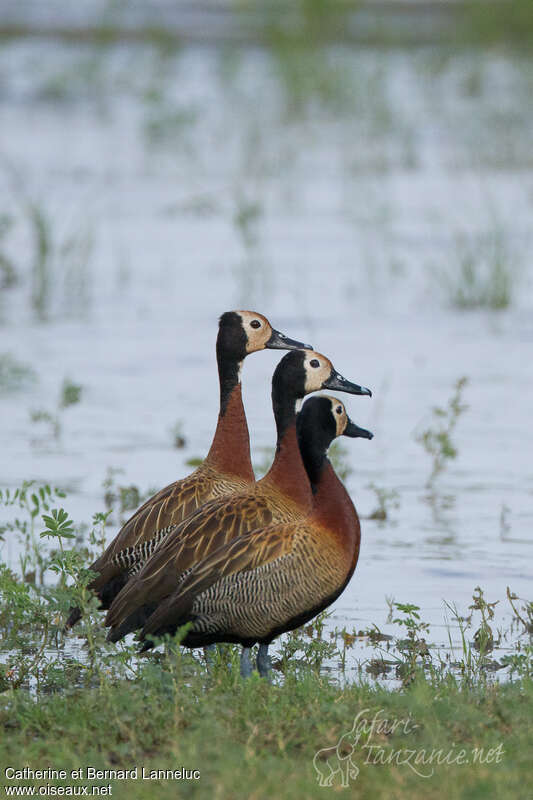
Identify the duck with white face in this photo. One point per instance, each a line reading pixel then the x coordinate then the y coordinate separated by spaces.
pixel 261 335
pixel 227 467
pixel 322 419
pixel 283 494
pixel 277 578
pixel 240 334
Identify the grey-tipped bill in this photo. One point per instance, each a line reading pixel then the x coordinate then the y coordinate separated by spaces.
pixel 278 341
pixel 340 384
pixel 355 432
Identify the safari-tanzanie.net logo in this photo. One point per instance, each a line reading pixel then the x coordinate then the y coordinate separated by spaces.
pixel 365 744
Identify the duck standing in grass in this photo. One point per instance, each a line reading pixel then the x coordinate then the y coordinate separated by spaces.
pixel 282 495
pixel 276 578
pixel 227 467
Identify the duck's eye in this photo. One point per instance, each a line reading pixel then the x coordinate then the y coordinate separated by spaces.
pixel 315 363
pixel 339 409
pixel 255 323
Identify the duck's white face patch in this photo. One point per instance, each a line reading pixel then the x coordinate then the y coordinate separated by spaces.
pixel 339 415
pixel 318 369
pixel 257 328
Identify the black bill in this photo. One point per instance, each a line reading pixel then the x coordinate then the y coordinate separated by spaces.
pixel 340 384
pixel 278 341
pixel 355 432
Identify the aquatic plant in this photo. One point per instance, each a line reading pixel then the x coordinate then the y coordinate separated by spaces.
pixel 14 374
pixel 483 637
pixel 311 77
pixel 194 461
pixel 307 646
pixel 437 439
pixel 31 500
pixel 8 273
pixel 414 647
pixel 252 273
pixel 123 498
pixel 178 436
pixel 41 267
pixel 41 415
pixel 69 395
pixel 505 527
pixel 520 663
pixel 170 125
pixel 246 218
pixel 474 664
pixel 339 455
pixel 526 617
pixel 484 275
pixel 387 499
pixel 33 609
pixel 308 73
pixel 59 266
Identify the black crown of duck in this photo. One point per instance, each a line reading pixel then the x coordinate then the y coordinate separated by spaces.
pixel 322 419
pixel 239 334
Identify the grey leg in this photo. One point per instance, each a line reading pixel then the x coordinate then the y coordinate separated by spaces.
pixel 246 664
pixel 264 664
pixel 209 653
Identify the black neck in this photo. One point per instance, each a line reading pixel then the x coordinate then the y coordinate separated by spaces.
pixel 284 406
pixel 313 447
pixel 231 352
pixel 288 386
pixel 287 471
pixel 229 377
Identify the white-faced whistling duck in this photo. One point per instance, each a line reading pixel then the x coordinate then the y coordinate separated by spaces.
pixel 277 578
pixel 226 469
pixel 282 495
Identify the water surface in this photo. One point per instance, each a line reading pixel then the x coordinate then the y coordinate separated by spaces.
pixel 179 185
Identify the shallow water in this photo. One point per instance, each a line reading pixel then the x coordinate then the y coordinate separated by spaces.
pixel 206 183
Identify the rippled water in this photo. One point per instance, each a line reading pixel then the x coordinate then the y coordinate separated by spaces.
pixel 196 182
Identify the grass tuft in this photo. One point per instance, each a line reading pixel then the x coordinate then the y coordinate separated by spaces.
pixel 484 275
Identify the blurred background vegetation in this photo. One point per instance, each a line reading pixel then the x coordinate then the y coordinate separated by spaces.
pixel 277 23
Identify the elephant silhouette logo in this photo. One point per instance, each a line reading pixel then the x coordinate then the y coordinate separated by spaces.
pixel 337 761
